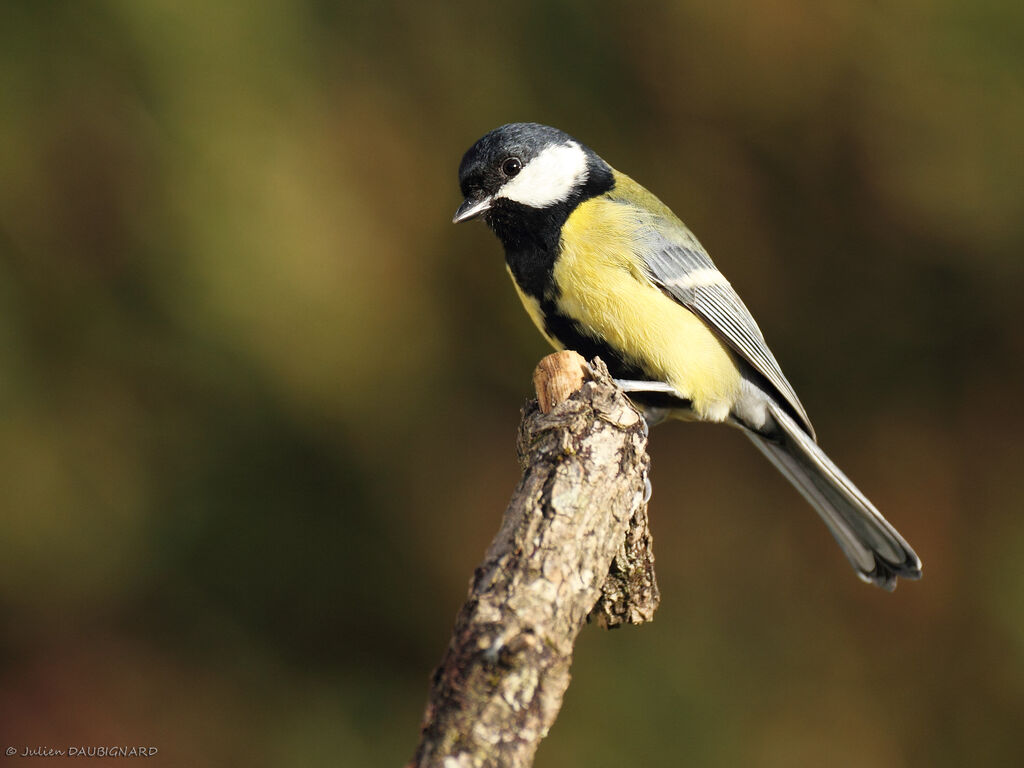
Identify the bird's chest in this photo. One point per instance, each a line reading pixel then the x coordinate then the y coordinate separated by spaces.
pixel 532 269
pixel 532 275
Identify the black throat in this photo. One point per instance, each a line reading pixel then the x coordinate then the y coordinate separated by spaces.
pixel 532 236
pixel 533 239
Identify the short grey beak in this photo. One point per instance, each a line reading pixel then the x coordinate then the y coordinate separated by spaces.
pixel 471 208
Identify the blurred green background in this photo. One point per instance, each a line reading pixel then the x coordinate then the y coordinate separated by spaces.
pixel 258 397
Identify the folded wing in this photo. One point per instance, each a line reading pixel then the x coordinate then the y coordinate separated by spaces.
pixel 678 264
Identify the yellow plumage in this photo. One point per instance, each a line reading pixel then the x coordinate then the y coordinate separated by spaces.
pixel 604 289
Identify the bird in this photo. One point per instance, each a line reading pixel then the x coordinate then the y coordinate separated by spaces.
pixel 604 268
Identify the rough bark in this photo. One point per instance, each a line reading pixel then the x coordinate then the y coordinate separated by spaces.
pixel 573 544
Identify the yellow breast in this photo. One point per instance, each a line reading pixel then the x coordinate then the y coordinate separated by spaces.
pixel 604 289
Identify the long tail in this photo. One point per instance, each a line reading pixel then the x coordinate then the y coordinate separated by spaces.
pixel 878 553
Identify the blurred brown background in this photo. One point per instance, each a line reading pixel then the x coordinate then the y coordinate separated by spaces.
pixel 258 396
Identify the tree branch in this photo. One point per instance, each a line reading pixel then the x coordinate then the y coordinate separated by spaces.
pixel 573 545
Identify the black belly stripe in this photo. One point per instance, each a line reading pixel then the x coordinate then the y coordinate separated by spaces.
pixel 569 334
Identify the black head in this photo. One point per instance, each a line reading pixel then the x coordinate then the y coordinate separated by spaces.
pixel 524 168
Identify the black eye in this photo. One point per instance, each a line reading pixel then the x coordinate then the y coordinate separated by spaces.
pixel 511 166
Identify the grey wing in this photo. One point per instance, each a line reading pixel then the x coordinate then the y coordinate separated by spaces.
pixel 678 264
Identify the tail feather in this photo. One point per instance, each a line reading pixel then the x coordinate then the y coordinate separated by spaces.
pixel 875 549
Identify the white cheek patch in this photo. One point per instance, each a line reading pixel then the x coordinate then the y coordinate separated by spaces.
pixel 549 178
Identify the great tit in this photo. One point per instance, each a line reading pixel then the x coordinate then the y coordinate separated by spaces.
pixel 605 268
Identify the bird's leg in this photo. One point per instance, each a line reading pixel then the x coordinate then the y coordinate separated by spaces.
pixel 633 385
pixel 653 414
